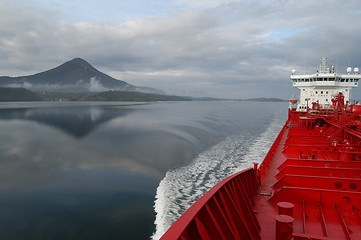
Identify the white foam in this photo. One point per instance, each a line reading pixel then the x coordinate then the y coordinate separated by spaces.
pixel 181 187
pixel 263 143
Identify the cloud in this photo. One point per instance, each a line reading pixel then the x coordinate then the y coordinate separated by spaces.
pixel 95 85
pixel 219 47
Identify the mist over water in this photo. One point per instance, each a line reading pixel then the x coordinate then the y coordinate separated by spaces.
pixel 96 170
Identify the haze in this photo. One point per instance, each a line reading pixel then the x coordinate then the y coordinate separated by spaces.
pixel 233 49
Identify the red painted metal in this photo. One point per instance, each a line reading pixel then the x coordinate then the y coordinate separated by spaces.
pixel 284 227
pixel 225 212
pixel 307 187
pixel 285 208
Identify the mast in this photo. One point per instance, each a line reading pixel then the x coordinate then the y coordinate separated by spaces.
pixel 322 86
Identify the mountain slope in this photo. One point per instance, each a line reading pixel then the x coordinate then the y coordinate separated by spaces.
pixel 18 95
pixel 131 96
pixel 76 75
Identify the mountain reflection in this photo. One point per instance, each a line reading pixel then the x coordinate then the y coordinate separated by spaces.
pixel 91 170
pixel 145 139
pixel 75 121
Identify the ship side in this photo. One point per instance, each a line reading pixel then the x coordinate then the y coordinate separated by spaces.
pixel 309 184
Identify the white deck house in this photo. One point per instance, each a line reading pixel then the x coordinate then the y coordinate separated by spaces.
pixel 323 85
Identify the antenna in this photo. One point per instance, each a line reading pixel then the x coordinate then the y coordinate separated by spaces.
pixel 323 65
pixel 304 64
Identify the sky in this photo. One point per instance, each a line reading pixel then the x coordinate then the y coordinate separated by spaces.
pixel 213 48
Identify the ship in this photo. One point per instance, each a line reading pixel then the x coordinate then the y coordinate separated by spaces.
pixel 309 184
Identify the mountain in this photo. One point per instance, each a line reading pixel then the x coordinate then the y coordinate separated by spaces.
pixel 76 75
pixel 131 96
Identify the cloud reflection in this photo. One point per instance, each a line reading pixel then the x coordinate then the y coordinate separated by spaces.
pixel 148 140
pixel 91 172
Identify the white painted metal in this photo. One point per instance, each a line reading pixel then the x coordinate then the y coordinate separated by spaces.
pixel 322 86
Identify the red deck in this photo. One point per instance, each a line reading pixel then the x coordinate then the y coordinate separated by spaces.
pixel 315 167
pixel 307 187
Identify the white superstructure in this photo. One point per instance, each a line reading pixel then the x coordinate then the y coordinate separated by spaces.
pixel 322 86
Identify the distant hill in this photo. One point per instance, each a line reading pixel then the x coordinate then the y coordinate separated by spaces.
pixel 22 94
pixel 261 99
pixel 131 96
pixel 17 95
pixel 210 99
pixel 76 75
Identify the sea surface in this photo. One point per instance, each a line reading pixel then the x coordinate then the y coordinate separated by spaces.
pixel 115 170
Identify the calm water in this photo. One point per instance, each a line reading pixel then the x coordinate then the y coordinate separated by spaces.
pixel 120 170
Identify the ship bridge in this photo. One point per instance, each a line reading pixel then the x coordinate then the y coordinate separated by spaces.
pixel 322 86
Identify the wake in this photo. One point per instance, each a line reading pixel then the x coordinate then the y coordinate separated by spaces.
pixel 181 187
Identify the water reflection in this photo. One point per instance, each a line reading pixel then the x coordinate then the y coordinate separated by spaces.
pixel 82 171
pixel 147 139
pixel 130 138
pixel 76 121
pixel 72 183
pixel 83 205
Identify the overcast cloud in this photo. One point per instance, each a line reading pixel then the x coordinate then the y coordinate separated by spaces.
pixel 236 49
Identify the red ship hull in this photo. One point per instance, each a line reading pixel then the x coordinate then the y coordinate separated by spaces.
pixel 307 187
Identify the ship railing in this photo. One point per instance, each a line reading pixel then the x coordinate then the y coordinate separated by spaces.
pixel 348 125
pixel 354 132
pixel 224 212
pixel 263 168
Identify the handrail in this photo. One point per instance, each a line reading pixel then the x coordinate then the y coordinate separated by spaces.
pixel 262 170
pixel 224 212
